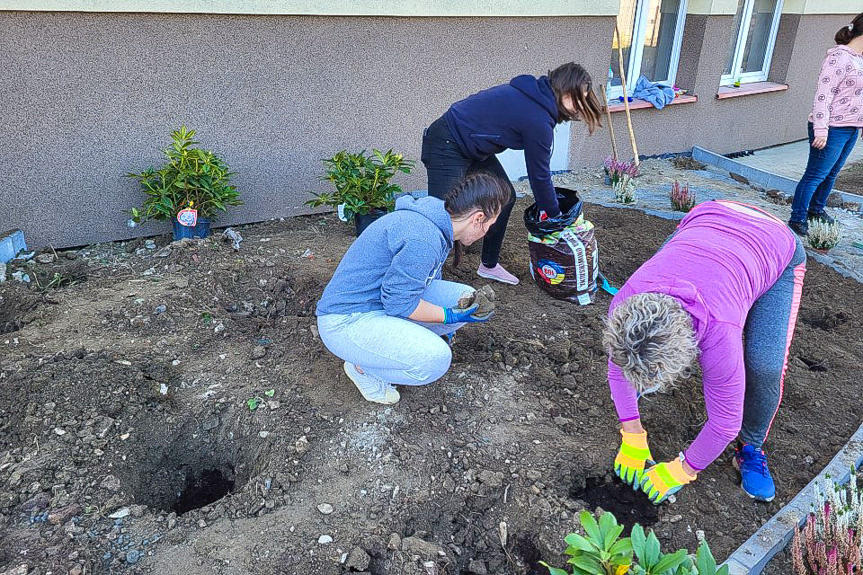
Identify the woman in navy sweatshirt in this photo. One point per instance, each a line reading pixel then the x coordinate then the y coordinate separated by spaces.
pixel 520 115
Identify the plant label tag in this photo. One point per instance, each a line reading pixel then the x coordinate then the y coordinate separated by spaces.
pixel 341 212
pixel 188 217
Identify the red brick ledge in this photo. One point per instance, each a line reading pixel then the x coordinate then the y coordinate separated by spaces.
pixel 725 92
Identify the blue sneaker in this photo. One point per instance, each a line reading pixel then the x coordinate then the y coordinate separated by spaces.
pixel 756 481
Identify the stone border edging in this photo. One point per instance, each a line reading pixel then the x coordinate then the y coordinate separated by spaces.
pixel 751 557
pixel 766 179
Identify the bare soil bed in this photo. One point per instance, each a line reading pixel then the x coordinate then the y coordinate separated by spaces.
pixel 851 179
pixel 183 390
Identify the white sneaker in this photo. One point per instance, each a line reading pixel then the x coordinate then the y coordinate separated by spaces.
pixel 372 388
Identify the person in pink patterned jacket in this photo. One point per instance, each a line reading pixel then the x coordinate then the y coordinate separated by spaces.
pixel 834 124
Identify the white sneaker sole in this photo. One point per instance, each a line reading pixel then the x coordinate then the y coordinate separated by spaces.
pixel 390 396
pixel 497 279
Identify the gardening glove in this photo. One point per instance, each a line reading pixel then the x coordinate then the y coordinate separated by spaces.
pixel 463 315
pixel 665 479
pixel 632 457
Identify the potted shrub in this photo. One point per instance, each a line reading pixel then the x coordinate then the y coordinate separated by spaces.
pixel 190 189
pixel 361 182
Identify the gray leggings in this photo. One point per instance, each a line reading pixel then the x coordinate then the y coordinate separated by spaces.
pixel 767 339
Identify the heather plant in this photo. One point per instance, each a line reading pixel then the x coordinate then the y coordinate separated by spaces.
pixel 624 190
pixel 617 170
pixel 829 543
pixel 822 235
pixel 682 200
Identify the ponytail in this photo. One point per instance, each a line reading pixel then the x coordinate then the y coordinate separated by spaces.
pixel 851 31
pixel 478 191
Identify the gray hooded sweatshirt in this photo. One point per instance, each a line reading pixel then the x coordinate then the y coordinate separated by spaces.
pixel 392 262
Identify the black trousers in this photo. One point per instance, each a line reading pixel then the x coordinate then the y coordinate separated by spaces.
pixel 446 166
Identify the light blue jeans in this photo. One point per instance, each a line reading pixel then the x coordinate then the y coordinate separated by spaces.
pixel 397 350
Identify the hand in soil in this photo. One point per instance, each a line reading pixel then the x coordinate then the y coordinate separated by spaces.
pixel 664 480
pixel 483 298
pixel 632 457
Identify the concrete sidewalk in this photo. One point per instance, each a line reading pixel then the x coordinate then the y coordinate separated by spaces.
pixel 789 160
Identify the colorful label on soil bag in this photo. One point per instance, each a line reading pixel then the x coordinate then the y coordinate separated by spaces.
pixel 550 272
pixel 580 257
pixel 188 217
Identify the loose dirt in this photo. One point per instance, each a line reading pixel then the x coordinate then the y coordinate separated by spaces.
pixel 173 411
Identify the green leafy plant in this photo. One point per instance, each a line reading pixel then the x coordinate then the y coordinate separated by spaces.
pixel 362 182
pixel 191 178
pixel 603 552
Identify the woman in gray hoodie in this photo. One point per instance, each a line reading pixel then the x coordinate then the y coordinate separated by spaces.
pixel 386 307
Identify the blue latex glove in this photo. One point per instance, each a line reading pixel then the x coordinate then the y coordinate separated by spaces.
pixel 463 315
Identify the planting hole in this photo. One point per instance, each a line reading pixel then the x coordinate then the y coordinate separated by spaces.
pixel 525 548
pixel 203 488
pixel 628 505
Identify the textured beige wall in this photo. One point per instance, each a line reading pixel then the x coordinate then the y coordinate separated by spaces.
pixel 87 98
pixel 734 124
pixel 483 8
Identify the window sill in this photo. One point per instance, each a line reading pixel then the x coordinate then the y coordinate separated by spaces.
pixel 749 89
pixel 639 104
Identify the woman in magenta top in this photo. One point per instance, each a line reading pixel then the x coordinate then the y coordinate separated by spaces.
pixel 834 125
pixel 729 270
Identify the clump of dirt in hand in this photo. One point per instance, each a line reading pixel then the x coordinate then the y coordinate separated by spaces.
pixel 484 297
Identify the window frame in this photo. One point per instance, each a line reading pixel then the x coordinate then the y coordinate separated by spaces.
pixel 636 50
pixel 740 46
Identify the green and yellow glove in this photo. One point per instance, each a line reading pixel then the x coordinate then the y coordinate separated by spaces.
pixel 632 457
pixel 665 479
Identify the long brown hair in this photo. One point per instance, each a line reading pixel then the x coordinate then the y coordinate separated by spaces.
pixel 477 191
pixel 848 33
pixel 573 80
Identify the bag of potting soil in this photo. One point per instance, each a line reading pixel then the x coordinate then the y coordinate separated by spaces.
pixel 564 256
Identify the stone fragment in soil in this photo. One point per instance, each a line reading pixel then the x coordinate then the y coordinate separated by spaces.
pixel 484 297
pixel 325 508
pixel 325 539
pixel 358 560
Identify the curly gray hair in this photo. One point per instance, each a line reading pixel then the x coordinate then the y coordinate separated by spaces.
pixel 651 338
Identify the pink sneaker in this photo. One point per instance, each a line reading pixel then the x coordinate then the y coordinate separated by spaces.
pixel 497 273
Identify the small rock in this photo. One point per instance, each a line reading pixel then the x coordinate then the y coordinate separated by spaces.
pixel 45 258
pixel 739 178
pixel 699 536
pixel 325 540
pixel 395 542
pixel 263 434
pixel 534 475
pixel 20 276
pixel 36 503
pixel 133 556
pixel 20 570
pixel 302 445
pixel 675 518
pixel 202 523
pixel 210 423
pixel 172 520
pixel 358 560
pixel 63 514
pixel 181 283
pixel 325 508
pixel 150 244
pixel 421 548
pixel 477 567
pixel 258 352
pixel 2 272
pixel 76 570
pixel 110 483
pixel 161 309
pixel 59 431
pixel 120 513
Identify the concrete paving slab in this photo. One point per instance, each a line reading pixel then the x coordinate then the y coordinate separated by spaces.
pixel 789 160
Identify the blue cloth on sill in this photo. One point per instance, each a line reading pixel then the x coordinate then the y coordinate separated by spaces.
pixel 657 94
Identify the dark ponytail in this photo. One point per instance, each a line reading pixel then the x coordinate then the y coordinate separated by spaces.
pixel 851 31
pixel 478 191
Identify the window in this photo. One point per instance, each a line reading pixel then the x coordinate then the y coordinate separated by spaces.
pixel 650 35
pixel 751 45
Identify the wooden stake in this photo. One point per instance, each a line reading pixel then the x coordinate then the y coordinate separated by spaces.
pixel 610 125
pixel 625 98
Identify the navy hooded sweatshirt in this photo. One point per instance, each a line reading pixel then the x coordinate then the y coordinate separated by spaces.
pixel 520 115
pixel 393 261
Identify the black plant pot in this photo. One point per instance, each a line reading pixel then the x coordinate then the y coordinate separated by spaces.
pixel 361 222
